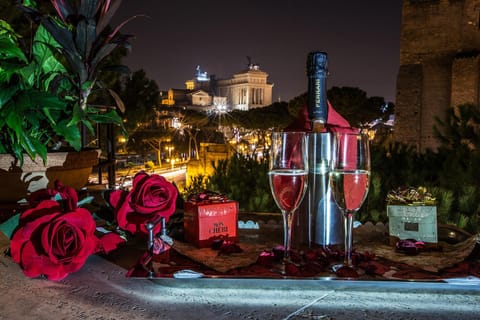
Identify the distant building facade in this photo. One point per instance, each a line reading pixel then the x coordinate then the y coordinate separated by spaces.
pixel 439 66
pixel 246 90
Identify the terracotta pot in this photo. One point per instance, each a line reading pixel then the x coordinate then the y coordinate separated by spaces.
pixel 71 168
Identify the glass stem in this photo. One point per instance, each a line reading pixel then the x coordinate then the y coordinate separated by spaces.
pixel 348 225
pixel 287 234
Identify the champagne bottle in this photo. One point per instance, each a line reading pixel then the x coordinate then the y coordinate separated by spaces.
pixel 317 90
pixel 325 219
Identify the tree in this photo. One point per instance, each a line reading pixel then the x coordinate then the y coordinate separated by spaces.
pixel 140 96
pixel 459 137
pixel 354 105
pixel 192 123
pixel 144 140
pixel 258 122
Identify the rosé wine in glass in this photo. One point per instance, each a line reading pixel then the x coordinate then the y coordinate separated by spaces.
pixel 349 179
pixel 288 187
pixel 288 172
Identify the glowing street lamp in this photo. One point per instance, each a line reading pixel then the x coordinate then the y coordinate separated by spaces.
pixel 169 149
pixel 122 141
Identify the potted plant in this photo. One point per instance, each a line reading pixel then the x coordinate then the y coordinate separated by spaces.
pixel 44 93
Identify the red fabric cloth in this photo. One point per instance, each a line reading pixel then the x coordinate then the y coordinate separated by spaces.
pixel 335 122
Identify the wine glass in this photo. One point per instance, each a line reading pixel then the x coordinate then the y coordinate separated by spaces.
pixel 288 172
pixel 350 178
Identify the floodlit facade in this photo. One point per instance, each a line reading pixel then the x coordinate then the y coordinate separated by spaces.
pixel 247 89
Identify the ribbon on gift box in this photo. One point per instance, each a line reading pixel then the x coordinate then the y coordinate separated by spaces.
pixel 207 197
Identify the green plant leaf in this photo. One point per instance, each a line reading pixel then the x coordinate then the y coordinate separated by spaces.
pixel 10 50
pixel 108 117
pixel 6 28
pixel 8 69
pixel 71 134
pixel 46 100
pixel 60 33
pixel 29 3
pixel 35 147
pixel 9 226
pixel 76 116
pixel 15 122
pixel 30 145
pixel 28 75
pixel 67 45
pixel 43 45
pixel 6 94
pixel 89 126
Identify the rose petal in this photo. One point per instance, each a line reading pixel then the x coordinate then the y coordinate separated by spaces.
pixel 69 195
pixel 110 242
pixel 115 197
pixel 40 195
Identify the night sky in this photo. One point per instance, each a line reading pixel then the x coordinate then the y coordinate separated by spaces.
pixel 362 39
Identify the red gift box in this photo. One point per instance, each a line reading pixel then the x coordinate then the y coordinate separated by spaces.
pixel 205 221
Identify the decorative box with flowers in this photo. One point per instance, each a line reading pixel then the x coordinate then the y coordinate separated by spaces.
pixel 412 214
pixel 209 216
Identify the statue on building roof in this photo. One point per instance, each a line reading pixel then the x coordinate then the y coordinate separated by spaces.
pixel 199 75
pixel 251 65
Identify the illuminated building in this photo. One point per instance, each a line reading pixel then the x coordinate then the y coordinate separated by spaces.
pixel 247 89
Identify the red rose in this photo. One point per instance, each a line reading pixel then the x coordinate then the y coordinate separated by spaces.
pixel 52 243
pixel 150 196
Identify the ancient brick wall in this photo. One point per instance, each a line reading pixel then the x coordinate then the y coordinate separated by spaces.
pixel 409 92
pixel 465 76
pixel 439 66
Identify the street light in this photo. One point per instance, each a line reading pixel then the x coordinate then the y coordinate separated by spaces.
pixel 169 149
pixel 122 141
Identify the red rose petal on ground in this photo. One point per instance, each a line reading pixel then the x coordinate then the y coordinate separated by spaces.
pixel 347 272
pixel 266 258
pixel 292 270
